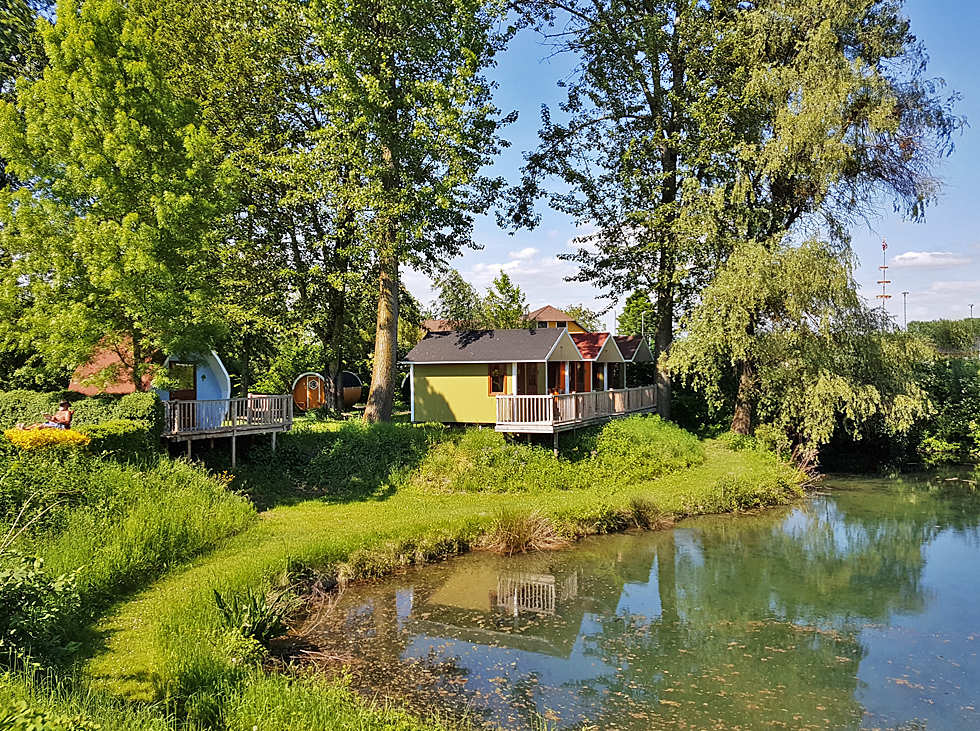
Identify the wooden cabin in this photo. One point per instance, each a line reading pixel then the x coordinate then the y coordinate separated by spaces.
pixel 526 381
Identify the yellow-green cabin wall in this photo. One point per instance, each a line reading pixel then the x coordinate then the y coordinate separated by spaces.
pixel 459 392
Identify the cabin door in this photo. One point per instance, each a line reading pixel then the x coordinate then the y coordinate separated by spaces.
pixel 186 390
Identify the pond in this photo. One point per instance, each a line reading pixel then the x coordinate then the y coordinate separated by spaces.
pixel 857 608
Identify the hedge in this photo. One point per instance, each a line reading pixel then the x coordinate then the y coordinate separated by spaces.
pixel 122 438
pixel 27 407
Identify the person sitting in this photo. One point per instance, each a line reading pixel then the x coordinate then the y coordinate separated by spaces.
pixel 61 419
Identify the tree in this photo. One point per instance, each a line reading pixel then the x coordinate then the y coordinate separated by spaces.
pixel 504 307
pixel 633 320
pixel 585 317
pixel 458 302
pixel 819 357
pixel 695 125
pixel 111 240
pixel 407 77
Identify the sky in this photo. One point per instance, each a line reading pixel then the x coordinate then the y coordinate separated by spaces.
pixel 936 262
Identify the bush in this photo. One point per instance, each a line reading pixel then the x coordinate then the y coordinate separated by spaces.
pixel 121 438
pixel 27 407
pixel 37 611
pixel 361 458
pixel 31 440
pixel 19 716
pixel 647 446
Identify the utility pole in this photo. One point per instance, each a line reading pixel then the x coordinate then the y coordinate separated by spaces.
pixel 884 296
pixel 971 312
pixel 905 309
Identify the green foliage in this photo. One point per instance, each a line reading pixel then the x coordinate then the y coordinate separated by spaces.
pixel 19 716
pixel 647 445
pixel 589 320
pixel 952 432
pixel 360 459
pixel 111 239
pixel 812 356
pixel 27 407
pixel 121 438
pixel 256 615
pixel 959 337
pixel 458 302
pixel 637 315
pixel 504 306
pixel 37 611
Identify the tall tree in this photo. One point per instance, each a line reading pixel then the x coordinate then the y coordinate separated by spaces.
pixel 585 317
pixel 111 239
pixel 458 302
pixel 694 125
pixel 407 77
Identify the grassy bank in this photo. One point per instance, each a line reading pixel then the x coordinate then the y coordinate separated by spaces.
pixel 354 503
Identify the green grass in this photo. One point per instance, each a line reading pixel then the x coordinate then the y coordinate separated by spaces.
pixel 346 501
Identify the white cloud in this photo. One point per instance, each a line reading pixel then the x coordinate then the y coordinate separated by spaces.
pixel 528 253
pixel 930 260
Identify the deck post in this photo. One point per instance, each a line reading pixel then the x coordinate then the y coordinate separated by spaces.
pixel 273 442
pixel 188 450
pixel 233 443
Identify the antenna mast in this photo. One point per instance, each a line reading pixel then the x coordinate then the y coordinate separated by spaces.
pixel 884 296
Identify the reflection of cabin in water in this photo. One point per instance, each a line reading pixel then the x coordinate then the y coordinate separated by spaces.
pixel 540 610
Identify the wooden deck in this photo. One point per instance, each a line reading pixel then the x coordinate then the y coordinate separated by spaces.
pixel 185 421
pixel 552 414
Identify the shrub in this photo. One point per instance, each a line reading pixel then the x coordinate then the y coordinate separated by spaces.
pixel 41 439
pixel 37 610
pixel 362 458
pixel 19 716
pixel 27 407
pixel 256 615
pixel 647 446
pixel 120 437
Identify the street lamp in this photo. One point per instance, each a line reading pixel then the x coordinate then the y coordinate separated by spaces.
pixel 643 328
pixel 905 308
pixel 971 312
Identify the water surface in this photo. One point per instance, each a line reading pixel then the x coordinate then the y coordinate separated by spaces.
pixel 858 608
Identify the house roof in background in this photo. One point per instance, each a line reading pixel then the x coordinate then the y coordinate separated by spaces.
pixel 634 348
pixel 437 326
pixel 549 314
pixel 488 346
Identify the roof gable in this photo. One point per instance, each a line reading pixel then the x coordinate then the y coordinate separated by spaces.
pixel 634 348
pixel 597 347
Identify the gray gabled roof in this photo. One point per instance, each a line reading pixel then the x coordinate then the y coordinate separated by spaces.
pixel 489 346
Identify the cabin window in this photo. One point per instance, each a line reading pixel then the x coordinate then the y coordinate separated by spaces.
pixel 597 377
pixel 616 375
pixel 580 377
pixel 498 378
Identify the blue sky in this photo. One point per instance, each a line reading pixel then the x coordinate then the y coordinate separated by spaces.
pixel 937 262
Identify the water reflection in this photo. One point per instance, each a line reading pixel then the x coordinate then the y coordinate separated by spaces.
pixel 821 616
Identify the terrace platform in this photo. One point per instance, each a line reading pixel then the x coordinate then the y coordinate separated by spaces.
pixel 562 412
pixel 187 421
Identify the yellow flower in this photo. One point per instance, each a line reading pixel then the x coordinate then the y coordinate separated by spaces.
pixel 33 439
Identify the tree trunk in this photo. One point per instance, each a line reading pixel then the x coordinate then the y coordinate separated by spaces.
pixel 334 374
pixel 742 421
pixel 137 363
pixel 381 397
pixel 246 381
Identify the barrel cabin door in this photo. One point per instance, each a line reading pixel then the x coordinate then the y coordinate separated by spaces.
pixel 185 377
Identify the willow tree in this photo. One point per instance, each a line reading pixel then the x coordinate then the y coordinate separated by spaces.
pixel 820 357
pixel 110 239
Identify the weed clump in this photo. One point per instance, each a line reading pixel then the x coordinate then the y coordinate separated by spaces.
pixel 518 531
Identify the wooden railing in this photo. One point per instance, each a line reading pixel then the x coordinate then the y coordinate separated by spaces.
pixel 217 416
pixel 573 408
